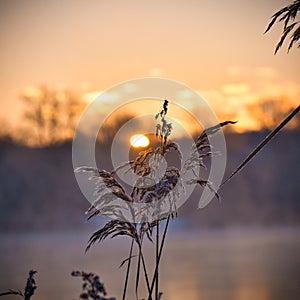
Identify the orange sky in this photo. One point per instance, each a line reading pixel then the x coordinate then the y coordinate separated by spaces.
pixel 215 47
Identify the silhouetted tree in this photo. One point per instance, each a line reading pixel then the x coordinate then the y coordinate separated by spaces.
pixel 52 114
pixel 270 112
pixel 110 128
pixel 287 15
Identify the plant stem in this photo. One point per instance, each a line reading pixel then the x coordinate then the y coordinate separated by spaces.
pixel 264 142
pixel 159 257
pixel 156 256
pixel 144 267
pixel 137 278
pixel 128 269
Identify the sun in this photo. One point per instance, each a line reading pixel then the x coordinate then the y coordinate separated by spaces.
pixel 139 140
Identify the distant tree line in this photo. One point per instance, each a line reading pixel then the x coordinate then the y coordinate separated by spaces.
pixel 50 116
pixel 270 112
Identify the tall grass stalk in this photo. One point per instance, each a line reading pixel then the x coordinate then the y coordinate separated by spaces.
pixel 144 267
pixel 263 143
pixel 167 190
pixel 127 270
pixel 156 259
pixel 159 257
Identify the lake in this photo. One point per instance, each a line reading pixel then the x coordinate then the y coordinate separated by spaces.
pixel 232 264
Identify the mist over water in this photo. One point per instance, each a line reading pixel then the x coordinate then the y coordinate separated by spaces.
pixel 241 264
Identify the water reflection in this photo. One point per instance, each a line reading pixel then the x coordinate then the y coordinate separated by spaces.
pixel 227 265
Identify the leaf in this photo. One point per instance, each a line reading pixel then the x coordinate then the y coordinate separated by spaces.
pixel 275 17
pixel 271 24
pixel 295 38
pixel 126 259
pixel 286 14
pixel 113 228
pixel 127 233
pixel 286 31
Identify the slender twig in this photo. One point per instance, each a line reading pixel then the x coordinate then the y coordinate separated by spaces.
pixel 263 143
pixel 159 257
pixel 127 271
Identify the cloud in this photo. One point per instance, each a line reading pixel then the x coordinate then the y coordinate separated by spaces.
pixel 231 102
pixel 266 72
pixel 233 71
pixel 236 88
pixel 288 90
pixel 32 92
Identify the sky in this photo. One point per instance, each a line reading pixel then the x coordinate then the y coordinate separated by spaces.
pixel 217 48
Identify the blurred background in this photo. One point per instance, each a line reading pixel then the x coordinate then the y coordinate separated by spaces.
pixel 56 57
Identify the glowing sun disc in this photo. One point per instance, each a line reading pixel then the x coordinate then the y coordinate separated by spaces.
pixel 139 140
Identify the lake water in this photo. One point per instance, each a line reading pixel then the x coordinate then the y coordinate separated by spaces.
pixel 203 265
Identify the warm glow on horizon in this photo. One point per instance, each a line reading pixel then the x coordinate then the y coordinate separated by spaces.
pixel 238 102
pixel 233 79
pixel 139 140
pixel 90 96
pixel 32 92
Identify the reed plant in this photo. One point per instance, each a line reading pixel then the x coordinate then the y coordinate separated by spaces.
pixel 29 288
pixel 145 222
pixel 160 196
pixel 146 190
